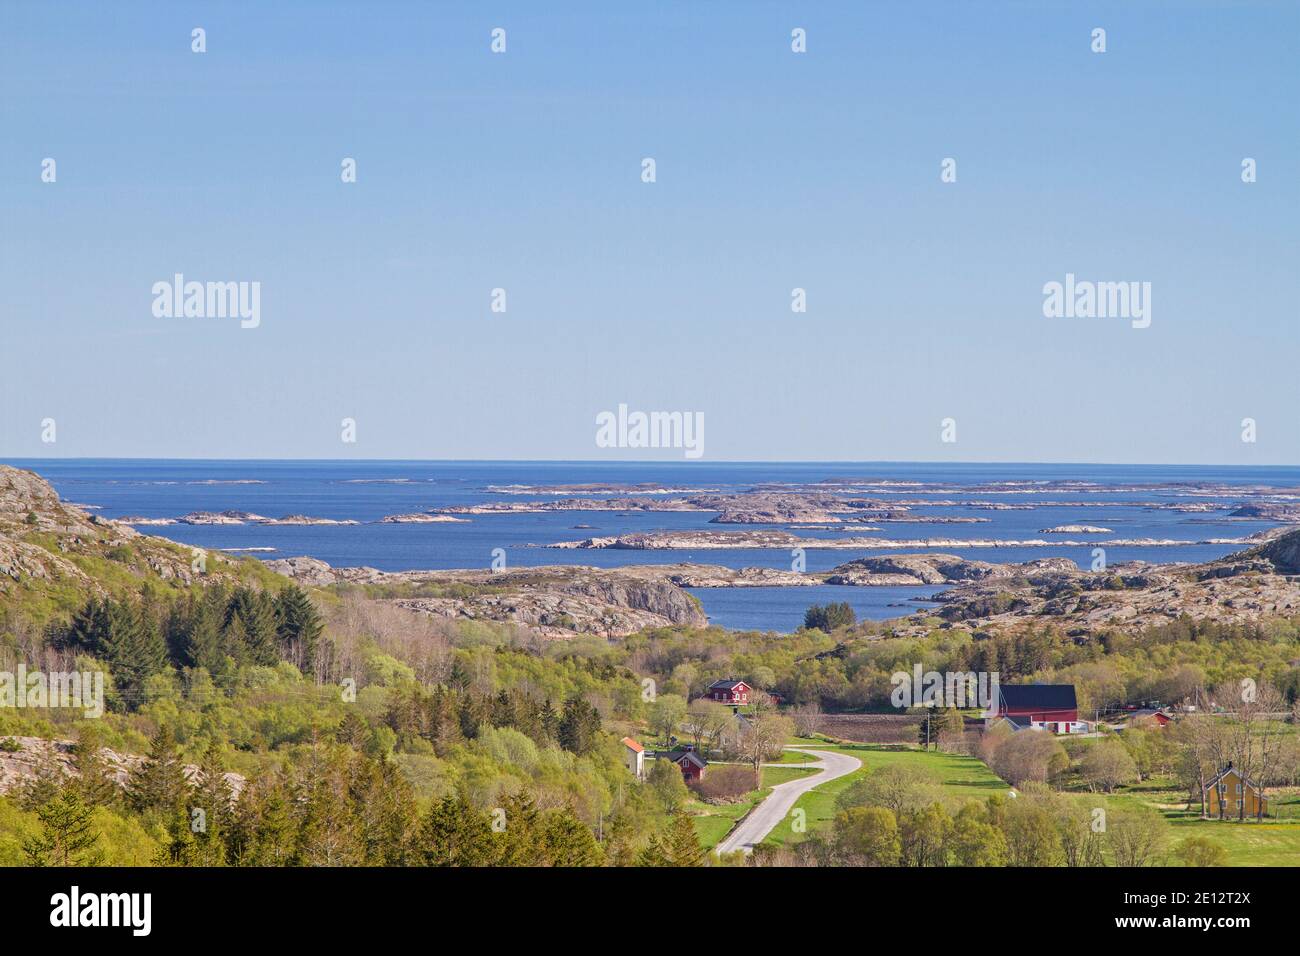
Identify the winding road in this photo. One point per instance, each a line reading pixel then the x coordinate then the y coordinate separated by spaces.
pixel 778 804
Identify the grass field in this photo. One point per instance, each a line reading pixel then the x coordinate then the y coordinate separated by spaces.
pixel 964 777
pixel 1275 842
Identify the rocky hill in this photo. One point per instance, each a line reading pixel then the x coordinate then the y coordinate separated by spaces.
pixel 1246 587
pixel 55 555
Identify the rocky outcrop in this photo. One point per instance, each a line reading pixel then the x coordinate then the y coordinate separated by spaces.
pixel 420 518
pixel 1281 554
pixel 939 569
pixel 555 601
pixel 785 540
pixel 36 755
pixel 1075 529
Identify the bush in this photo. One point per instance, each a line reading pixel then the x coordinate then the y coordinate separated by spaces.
pixel 723 784
pixel 10 746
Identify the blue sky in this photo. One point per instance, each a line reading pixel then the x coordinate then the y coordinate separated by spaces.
pixel 775 170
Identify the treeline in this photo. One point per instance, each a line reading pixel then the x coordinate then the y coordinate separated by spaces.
pixel 894 818
pixel 445 717
pixel 852 669
pixel 219 630
pixel 330 805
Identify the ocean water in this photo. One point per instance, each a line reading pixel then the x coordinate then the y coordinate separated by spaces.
pixel 366 491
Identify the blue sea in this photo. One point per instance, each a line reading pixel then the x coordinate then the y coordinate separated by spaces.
pixel 366 491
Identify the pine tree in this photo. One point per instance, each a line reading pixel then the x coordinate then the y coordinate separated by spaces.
pixel 67 836
pixel 255 612
pixel 264 831
pixel 93 782
pixel 87 628
pixel 653 854
pixel 353 731
pixel 211 796
pixel 298 628
pixel 550 720
pixel 568 841
pixel 681 846
pixel 519 842
pixel 579 726
pixel 159 782
pixel 454 833
pixel 384 803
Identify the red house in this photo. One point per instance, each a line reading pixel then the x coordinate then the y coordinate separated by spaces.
pixel 729 691
pixel 691 763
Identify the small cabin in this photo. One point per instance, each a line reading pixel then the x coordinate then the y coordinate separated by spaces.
pixel 691 764
pixel 1230 794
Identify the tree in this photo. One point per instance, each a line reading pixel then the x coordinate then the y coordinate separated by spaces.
pixel 952 731
pixel 568 841
pixel 158 783
pixel 923 833
pixel 973 841
pixel 298 627
pixel 92 780
pixel 807 719
pixel 1028 757
pixel 1199 851
pixel 1106 765
pixel 1137 836
pixel 1031 834
pixel 579 726
pixel 666 715
pixel 706 721
pixel 67 837
pixel 830 617
pixel 251 622
pixel 681 845
pixel 455 834
pixel 868 836
pixel 762 739
pixel 666 782
pixel 898 787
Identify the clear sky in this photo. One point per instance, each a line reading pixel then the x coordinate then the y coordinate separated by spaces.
pixel 775 170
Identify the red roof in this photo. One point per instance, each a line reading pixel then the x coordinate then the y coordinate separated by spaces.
pixel 633 745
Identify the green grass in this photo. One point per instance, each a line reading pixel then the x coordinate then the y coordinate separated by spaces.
pixel 962 777
pixel 774 775
pixel 713 822
pixel 794 756
pixel 1274 842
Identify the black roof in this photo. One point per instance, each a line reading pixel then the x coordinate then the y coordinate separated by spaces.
pixel 1038 696
pixel 726 682
pixel 677 756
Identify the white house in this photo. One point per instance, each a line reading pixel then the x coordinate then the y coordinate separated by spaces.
pixel 634 757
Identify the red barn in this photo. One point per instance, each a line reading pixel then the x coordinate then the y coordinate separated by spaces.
pixel 729 691
pixel 1031 704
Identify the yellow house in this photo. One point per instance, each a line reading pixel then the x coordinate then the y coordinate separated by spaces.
pixel 1229 795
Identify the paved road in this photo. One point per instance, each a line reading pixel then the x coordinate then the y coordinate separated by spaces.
pixel 764 817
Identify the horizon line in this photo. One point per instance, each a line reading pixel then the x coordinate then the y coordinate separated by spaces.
pixel 694 463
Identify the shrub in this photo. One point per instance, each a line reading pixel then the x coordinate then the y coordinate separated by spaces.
pixel 723 784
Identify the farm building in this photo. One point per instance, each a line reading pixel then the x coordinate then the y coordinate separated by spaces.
pixel 1051 707
pixel 691 764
